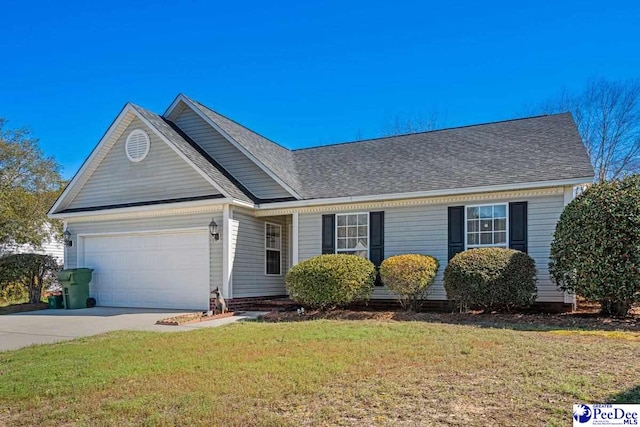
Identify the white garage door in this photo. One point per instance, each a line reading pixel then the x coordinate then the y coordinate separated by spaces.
pixel 154 270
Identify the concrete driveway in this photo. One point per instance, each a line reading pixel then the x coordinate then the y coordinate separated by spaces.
pixel 47 326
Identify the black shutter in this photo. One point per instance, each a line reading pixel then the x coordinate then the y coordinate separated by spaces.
pixel 518 226
pixel 328 234
pixel 376 240
pixel 376 237
pixel 456 230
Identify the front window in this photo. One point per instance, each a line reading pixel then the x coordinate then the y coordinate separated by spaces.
pixel 486 226
pixel 273 249
pixel 353 234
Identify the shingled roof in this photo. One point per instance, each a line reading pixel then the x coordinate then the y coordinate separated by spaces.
pixel 534 149
pixel 543 148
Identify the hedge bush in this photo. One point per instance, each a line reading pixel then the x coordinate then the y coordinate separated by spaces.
pixel 491 279
pixel 596 247
pixel 327 281
pixel 409 277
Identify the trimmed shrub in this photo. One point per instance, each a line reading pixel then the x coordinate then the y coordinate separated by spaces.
pixel 491 279
pixel 596 245
pixel 409 277
pixel 328 281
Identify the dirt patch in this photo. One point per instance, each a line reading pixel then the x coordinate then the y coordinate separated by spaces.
pixel 18 308
pixel 586 317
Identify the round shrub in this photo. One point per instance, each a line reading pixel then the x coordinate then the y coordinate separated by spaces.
pixel 332 280
pixel 409 277
pixel 491 279
pixel 596 247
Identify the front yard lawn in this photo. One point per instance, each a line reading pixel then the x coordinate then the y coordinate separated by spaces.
pixel 320 372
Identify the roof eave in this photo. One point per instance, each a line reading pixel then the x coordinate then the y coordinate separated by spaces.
pixel 422 194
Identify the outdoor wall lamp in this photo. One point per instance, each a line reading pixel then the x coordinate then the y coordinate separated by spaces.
pixel 213 229
pixel 67 238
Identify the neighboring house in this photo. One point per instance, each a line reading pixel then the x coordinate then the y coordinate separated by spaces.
pixel 140 207
pixel 50 246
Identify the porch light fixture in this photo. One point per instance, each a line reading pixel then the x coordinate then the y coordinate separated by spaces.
pixel 67 238
pixel 213 229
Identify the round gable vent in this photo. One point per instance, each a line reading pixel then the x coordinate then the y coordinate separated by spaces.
pixel 137 145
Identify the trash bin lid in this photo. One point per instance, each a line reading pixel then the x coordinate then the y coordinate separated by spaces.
pixel 65 275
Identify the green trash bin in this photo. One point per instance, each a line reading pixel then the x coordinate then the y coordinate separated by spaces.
pixel 55 301
pixel 75 286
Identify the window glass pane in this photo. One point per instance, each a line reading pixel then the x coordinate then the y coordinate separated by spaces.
pixel 486 211
pixel 499 211
pixel 362 254
pixel 472 213
pixel 486 225
pixel 272 236
pixel 342 232
pixel 500 237
pixel 472 239
pixel 352 220
pixel 342 220
pixel 362 231
pixel 351 243
pixel 485 238
pixel 362 243
pixel 473 226
pixel 499 224
pixel 273 262
pixel 363 219
pixel 352 231
pixel 342 243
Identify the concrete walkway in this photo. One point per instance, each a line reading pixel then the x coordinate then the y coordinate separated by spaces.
pixel 48 326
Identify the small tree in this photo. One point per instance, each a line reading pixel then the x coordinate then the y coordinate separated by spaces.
pixel 409 277
pixel 596 248
pixel 32 271
pixel 30 182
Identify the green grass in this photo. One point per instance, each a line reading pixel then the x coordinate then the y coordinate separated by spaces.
pixel 318 373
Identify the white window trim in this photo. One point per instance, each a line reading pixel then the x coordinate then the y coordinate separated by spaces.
pixel 335 242
pixel 493 245
pixel 270 249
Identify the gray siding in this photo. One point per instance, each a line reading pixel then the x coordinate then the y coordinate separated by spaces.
pixel 423 229
pixel 236 163
pixel 149 224
pixel 163 174
pixel 249 278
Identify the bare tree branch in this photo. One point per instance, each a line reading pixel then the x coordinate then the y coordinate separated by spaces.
pixel 607 114
pixel 398 125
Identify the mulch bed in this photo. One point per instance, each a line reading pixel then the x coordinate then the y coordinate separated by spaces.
pixel 188 318
pixel 586 317
pixel 19 308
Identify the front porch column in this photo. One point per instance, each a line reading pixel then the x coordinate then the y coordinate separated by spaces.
pixel 294 238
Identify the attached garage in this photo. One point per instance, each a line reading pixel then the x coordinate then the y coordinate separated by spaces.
pixel 160 269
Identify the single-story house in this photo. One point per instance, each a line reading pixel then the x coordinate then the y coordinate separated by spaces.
pixel 141 209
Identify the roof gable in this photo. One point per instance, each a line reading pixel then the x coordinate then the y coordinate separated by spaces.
pixel 162 132
pixel 258 182
pixel 161 175
pixel 273 159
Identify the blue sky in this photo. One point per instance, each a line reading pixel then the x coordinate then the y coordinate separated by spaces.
pixel 301 73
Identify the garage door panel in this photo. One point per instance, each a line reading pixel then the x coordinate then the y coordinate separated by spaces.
pixel 156 270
